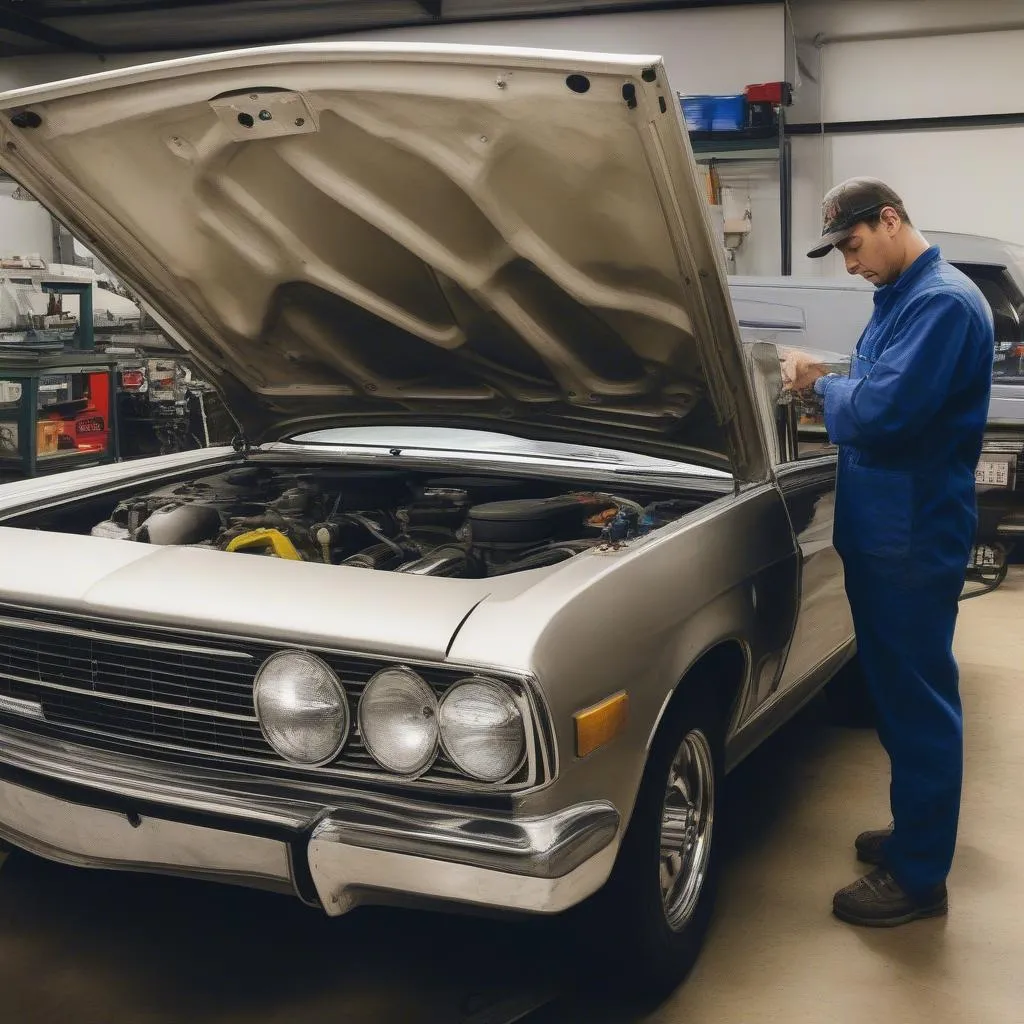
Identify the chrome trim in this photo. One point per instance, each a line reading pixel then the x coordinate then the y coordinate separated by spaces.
pixel 542 771
pixel 542 847
pixel 111 638
pixel 360 844
pixel 804 467
pixel 26 708
pixel 205 791
pixel 327 775
pixel 90 837
pixel 687 827
pixel 122 699
pixel 347 876
pixel 82 732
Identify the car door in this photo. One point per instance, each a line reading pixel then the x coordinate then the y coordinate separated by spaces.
pixel 805 471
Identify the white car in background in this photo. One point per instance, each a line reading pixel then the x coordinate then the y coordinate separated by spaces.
pixel 829 314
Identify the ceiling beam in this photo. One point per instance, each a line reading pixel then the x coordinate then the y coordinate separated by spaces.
pixel 22 25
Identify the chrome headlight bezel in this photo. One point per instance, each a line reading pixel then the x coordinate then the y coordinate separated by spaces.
pixel 429 700
pixel 339 688
pixel 524 723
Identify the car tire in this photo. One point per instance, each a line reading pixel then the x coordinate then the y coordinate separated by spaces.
pixel 655 938
pixel 848 699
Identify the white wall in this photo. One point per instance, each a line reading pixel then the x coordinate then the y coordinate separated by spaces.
pixel 938 76
pixel 754 184
pixel 943 58
pixel 812 177
pixel 705 50
pixel 830 20
pixel 951 181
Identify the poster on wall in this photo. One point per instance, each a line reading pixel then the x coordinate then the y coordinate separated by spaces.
pixel 8 439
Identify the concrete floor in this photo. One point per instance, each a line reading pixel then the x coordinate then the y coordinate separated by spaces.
pixel 776 954
pixel 113 949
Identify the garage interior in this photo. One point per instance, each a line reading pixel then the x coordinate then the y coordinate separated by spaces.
pixel 925 94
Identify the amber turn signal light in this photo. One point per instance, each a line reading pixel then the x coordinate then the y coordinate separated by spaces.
pixel 601 723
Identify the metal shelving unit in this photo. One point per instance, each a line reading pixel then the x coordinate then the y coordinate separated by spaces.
pixel 39 435
pixel 756 144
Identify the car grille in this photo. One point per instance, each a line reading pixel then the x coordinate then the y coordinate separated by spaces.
pixel 154 689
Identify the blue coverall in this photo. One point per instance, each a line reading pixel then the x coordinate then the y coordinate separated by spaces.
pixel 909 422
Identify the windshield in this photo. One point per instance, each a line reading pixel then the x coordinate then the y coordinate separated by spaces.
pixel 482 442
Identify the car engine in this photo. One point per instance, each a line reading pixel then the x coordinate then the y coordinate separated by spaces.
pixel 468 527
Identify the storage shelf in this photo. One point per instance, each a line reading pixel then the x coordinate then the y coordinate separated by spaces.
pixel 68 453
pixel 734 156
pixel 764 144
pixel 739 147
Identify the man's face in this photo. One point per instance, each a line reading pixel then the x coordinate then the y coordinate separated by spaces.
pixel 873 253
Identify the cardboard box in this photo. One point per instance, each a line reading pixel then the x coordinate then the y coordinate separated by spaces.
pixel 47 433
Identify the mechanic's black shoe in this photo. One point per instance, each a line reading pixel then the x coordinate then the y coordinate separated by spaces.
pixel 870 845
pixel 877 901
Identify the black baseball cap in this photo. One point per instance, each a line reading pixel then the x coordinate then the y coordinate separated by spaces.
pixel 846 206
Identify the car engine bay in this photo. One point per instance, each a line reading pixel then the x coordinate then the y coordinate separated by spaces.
pixel 391 520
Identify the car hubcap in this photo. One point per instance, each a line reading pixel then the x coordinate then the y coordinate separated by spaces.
pixel 687 819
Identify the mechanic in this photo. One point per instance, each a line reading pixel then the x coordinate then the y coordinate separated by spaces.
pixel 908 421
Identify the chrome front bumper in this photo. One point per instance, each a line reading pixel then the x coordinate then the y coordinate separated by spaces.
pixel 98 809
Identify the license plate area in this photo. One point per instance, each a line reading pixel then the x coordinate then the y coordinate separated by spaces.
pixel 994 473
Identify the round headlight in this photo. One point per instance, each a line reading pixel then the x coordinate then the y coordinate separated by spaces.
pixel 398 721
pixel 301 708
pixel 482 729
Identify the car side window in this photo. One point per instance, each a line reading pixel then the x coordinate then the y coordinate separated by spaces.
pixel 1007 302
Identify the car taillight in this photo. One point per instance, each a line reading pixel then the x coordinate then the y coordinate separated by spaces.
pixel 133 380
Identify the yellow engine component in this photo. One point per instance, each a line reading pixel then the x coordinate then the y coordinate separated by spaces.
pixel 278 544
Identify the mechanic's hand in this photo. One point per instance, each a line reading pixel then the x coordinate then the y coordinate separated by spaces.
pixel 800 370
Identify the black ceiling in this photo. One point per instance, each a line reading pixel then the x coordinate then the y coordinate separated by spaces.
pixel 30 27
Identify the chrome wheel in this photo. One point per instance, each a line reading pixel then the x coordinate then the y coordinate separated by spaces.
pixel 687 821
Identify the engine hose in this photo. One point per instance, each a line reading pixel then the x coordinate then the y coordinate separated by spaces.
pixel 622 502
pixel 265 539
pixel 541 557
pixel 375 532
pixel 379 557
pixel 443 561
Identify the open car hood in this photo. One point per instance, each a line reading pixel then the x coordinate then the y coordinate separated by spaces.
pixel 368 233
